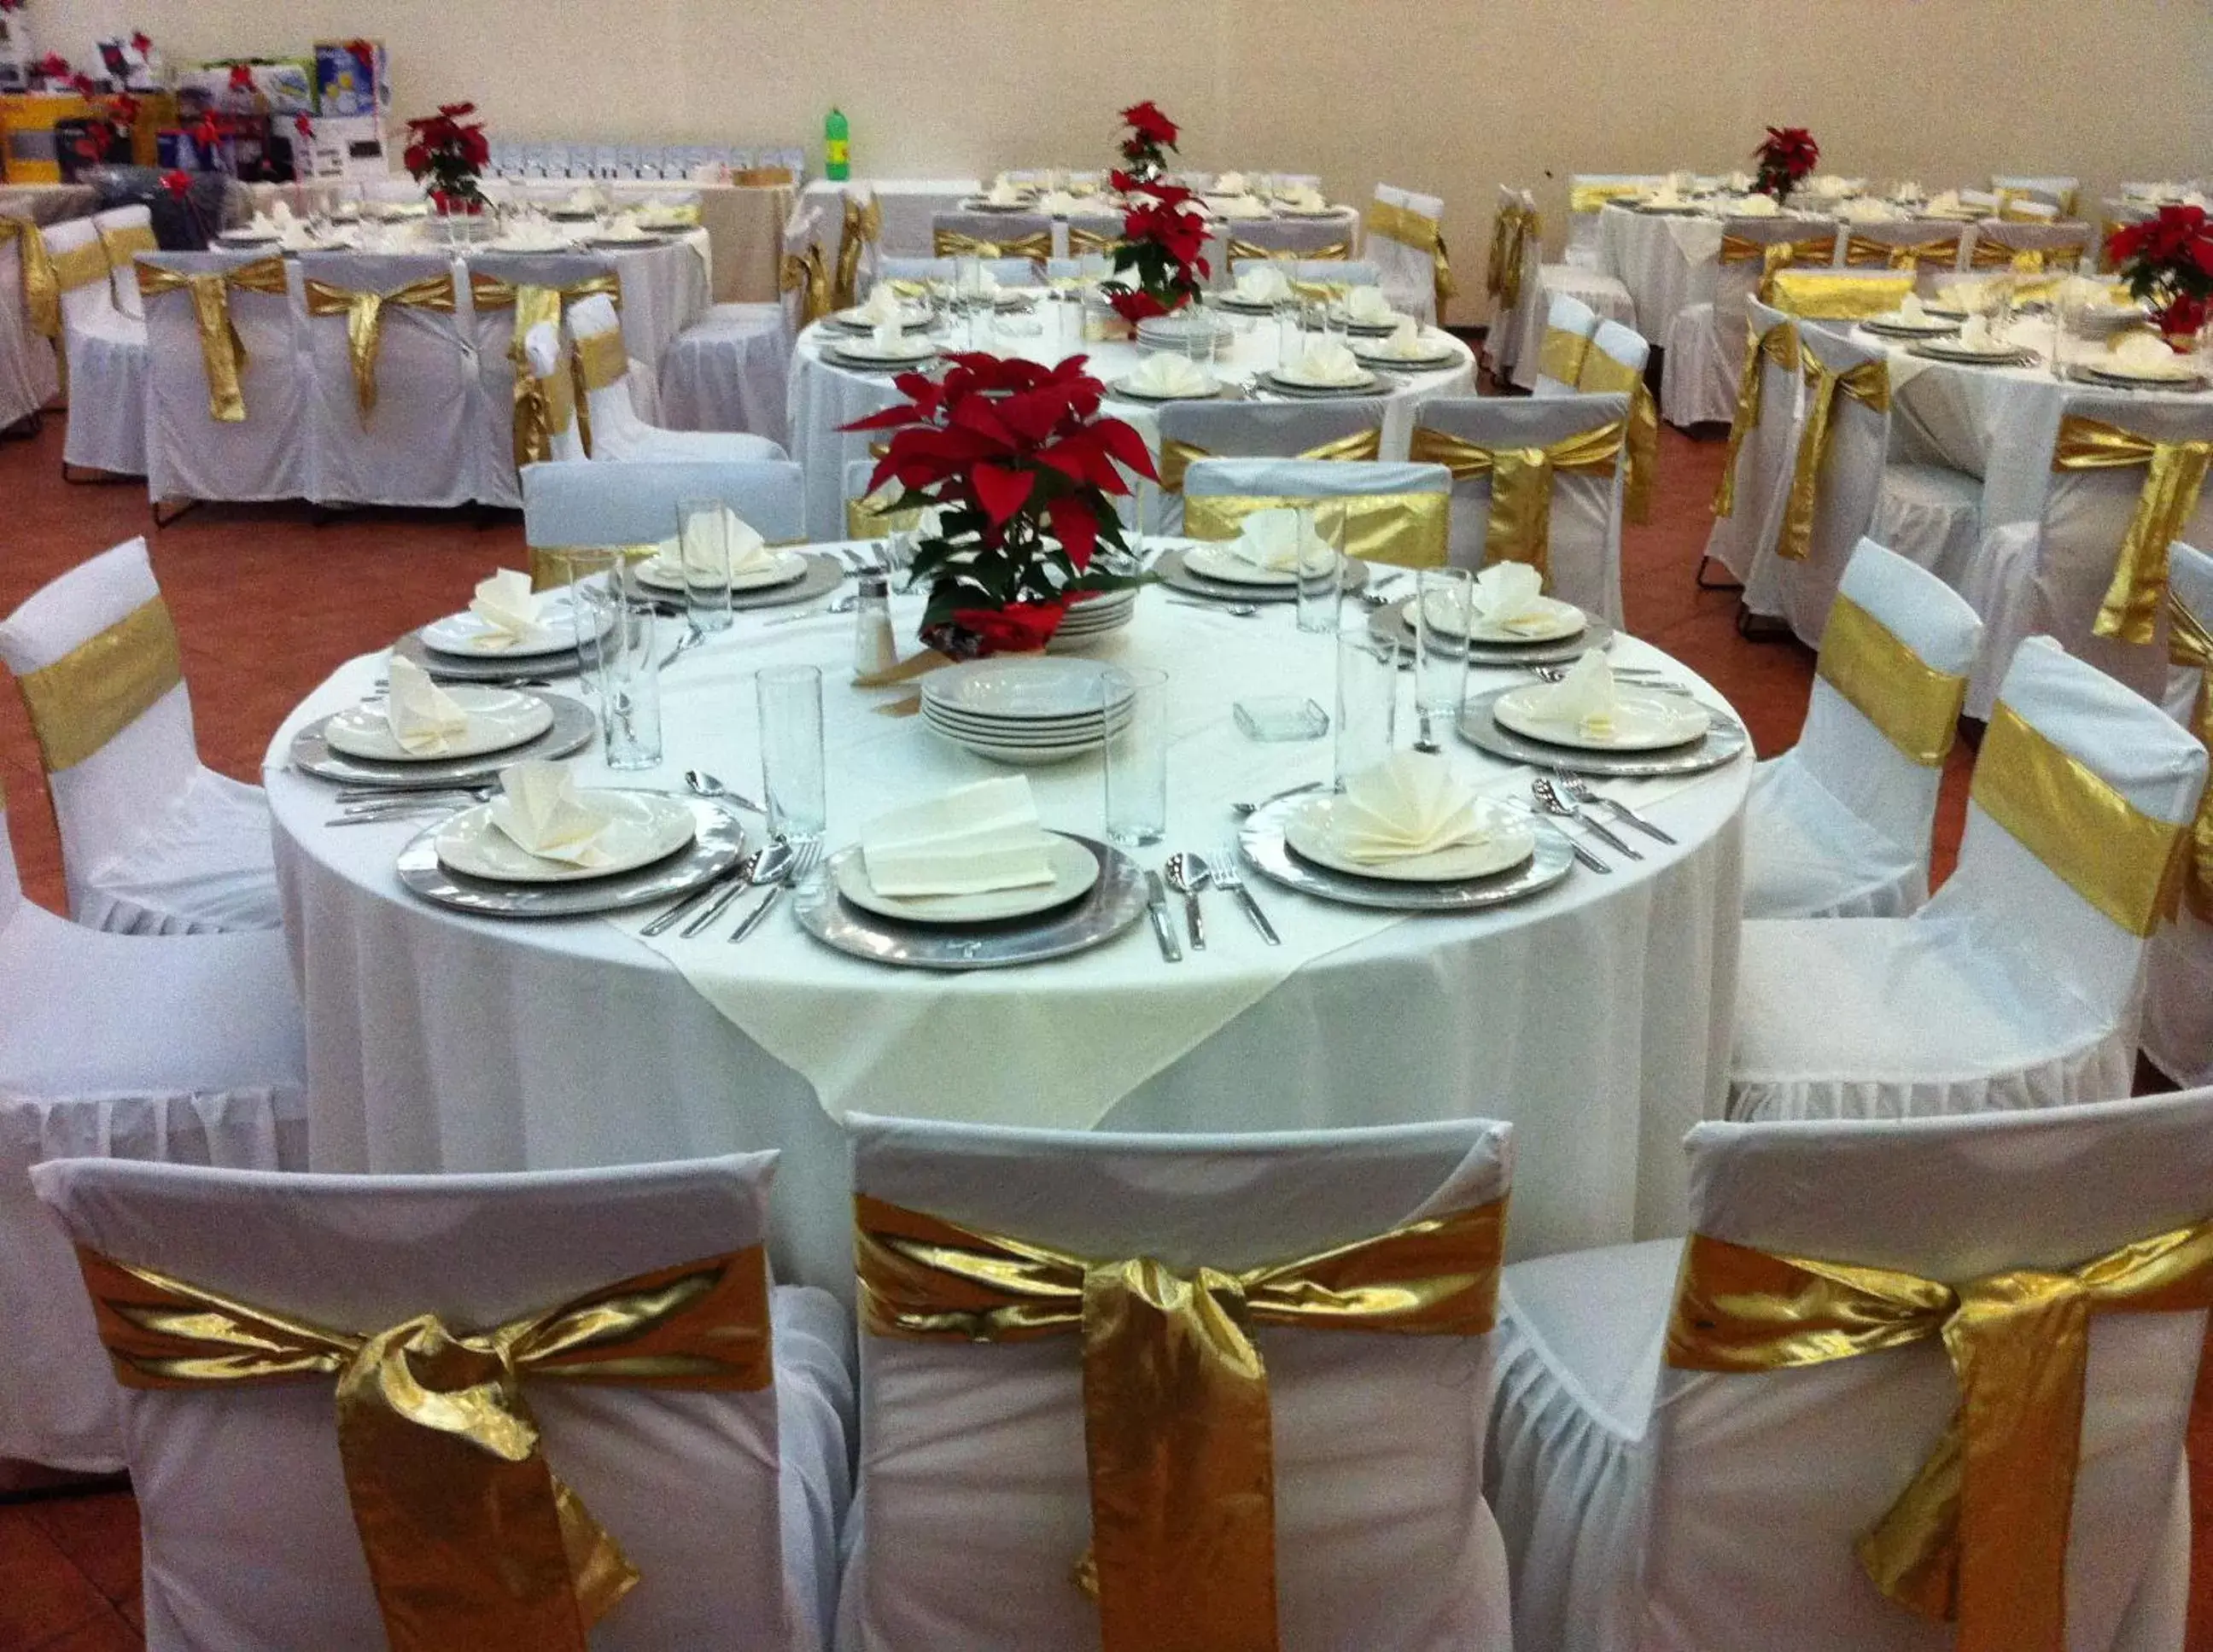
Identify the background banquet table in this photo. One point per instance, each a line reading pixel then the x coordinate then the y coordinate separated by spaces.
pixel 1597 1015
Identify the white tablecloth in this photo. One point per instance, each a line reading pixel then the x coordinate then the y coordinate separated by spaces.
pixel 1596 1015
pixel 1664 260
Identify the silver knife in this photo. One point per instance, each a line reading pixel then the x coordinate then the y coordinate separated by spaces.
pixel 691 903
pixel 1157 904
pixel 1634 817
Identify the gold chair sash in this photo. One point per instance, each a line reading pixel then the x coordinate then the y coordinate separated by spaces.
pixel 532 304
pixel 951 243
pixel 1916 706
pixel 1864 251
pixel 1775 255
pixel 1176 456
pixel 1993 252
pixel 1980 1536
pixel 223 353
pixel 474 1544
pixel 602 358
pixel 1519 528
pixel 1424 235
pixel 1527 227
pixel 1081 241
pixel 1594 197
pixel 1561 354
pixel 74 267
pixel 122 247
pixel 865 223
pixel 1868 384
pixel 1502 235
pixel 42 298
pixel 866 519
pixel 364 314
pixel 1823 296
pixel 2128 864
pixel 2190 646
pixel 1779 344
pixel 1176 1394
pixel 2175 476
pixel 1601 374
pixel 1240 250
pixel 1408 530
pixel 804 273
pixel 102 685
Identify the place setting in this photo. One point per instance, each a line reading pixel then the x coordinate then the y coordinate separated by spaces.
pixel 1365 313
pixel 2138 361
pixel 1505 620
pixel 1911 320
pixel 717 548
pixel 418 735
pixel 1164 376
pixel 1592 721
pixel 1275 552
pixel 1325 368
pixel 1977 344
pixel 508 633
pixel 884 305
pixel 1408 346
pixel 889 346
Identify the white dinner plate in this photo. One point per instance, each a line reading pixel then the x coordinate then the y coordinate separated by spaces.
pixel 1509 842
pixel 1075 871
pixel 1283 212
pixel 1642 722
pixel 465 634
pixel 1213 560
pixel 642 827
pixel 2181 372
pixel 912 319
pixel 1128 392
pixel 1896 326
pixel 859 348
pixel 1299 380
pixel 1364 351
pixel 1552 621
pixel 1070 734
pixel 664 573
pixel 498 718
pixel 1016 690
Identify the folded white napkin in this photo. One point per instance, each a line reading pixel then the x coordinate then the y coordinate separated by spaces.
pixel 881 305
pixel 1509 596
pixel 1302 197
pixel 888 337
pixel 1975 334
pixel 1868 209
pixel 1945 200
pixel 1228 183
pixel 1164 373
pixel 1003 194
pixel 1909 189
pixel 1407 340
pixel 1755 206
pixel 1278 540
pixel 749 553
pixel 1058 202
pixel 581 199
pixel 1263 284
pixel 539 810
pixel 1327 361
pixel 1584 698
pixel 1367 306
pixel 425 719
pixel 2139 352
pixel 1237 206
pixel 1408 805
pixel 262 224
pixel 1666 194
pixel 509 608
pixel 1910 308
pixel 2082 292
pixel 280 212
pixel 971 841
pixel 984 285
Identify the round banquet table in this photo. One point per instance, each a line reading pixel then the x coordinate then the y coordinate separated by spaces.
pixel 824 396
pixel 1666 260
pixel 1596 1015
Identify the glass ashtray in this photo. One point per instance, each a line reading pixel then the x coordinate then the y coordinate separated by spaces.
pixel 1281 718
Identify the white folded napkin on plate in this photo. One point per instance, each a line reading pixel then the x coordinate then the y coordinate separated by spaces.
pixel 1407 340
pixel 1164 373
pixel 888 337
pixel 1327 361
pixel 1058 202
pixel 1910 308
pixel 882 304
pixel 1302 197
pixel 1228 183
pixel 1237 206
pixel 509 608
pixel 1407 806
pixel 749 553
pixel 1975 334
pixel 1667 195
pixel 1278 540
pixel 280 212
pixel 425 719
pixel 262 224
pixel 971 841
pixel 2142 353
pixel 982 284
pixel 1003 194
pixel 1755 206
pixel 1367 306
pixel 1509 596
pixel 1583 698
pixel 539 810
pixel 1947 200
pixel 1868 209
pixel 1263 284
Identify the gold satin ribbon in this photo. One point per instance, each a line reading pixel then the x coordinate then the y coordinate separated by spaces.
pixel 1408 530
pixel 1914 705
pixel 1176 456
pixel 1594 197
pixel 1081 241
pixel 364 314
pixel 77 266
pixel 1822 295
pixel 41 293
pixel 1779 344
pixel 602 358
pixel 532 304
pixel 2190 646
pixel 1240 250
pixel 1177 1420
pixel 1980 1536
pixel 1503 235
pixel 1560 355
pixel 1864 251
pixel 1995 253
pixel 863 224
pixel 1527 227
pixel 1601 374
pixel 2128 864
pixel 122 247
pixel 804 273
pixel 474 1544
pixel 951 243
pixel 223 353
pixel 1868 384
pixel 867 519
pixel 1422 233
pixel 2175 476
pixel 1775 255
pixel 102 685
pixel 1519 528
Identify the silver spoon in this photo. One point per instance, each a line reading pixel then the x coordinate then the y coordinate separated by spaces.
pixel 1187 875
pixel 767 866
pixel 1234 610
pixel 740 874
pixel 1293 791
pixel 703 784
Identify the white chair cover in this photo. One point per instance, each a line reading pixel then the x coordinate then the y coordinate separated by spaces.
pixel 1586 515
pixel 995 228
pixel 1915 232
pixel 1565 315
pixel 28 377
pixel 586 502
pixel 122 280
pixel 728 372
pixel 1501 339
pixel 2178 1024
pixel 152 842
pixel 1256 430
pixel 547 348
pixel 1408 275
pixel 422 443
pixel 1542 283
pixel 191 455
pixel 1849 482
pixel 183 1049
pixel 975 1462
pixel 494 332
pixel 106 352
pixel 1649 1509
pixel 1705 343
pixel 618 432
pixel 1839 825
pixel 2008 989
pixel 1310 478
pixel 2053 191
pixel 1623 343
pixel 2063 242
pixel 1744 540
pixel 1932 515
pixel 726 1502
pixel 909 211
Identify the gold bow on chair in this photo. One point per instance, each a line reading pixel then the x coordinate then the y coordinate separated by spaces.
pixel 805 273
pixel 1865 252
pixel 474 1544
pixel 1407 530
pixel 122 246
pixel 1175 1395
pixel 1502 279
pixel 1980 1536
pixel 1081 240
pixel 2190 646
pixel 533 304
pixel 1526 227
pixel 1601 374
pixel 101 686
pixel 1176 456
pixel 1868 384
pixel 1421 232
pixel 951 243
pixel 865 223
pixel 364 314
pixel 1994 252
pixel 1774 255
pixel 602 359
pixel 1519 528
pixel 223 353
pixel 42 292
pixel 1561 354
pixel 2174 477
pixel 1779 345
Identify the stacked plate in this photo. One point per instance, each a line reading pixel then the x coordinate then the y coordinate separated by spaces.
pixel 1093 618
pixel 1028 711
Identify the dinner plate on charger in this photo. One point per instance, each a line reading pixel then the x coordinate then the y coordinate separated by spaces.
pixel 788 566
pixel 1246 306
pixel 642 827
pixel 464 635
pixel 574 725
pixel 1642 721
pixel 1724 742
pixel 836 353
pixel 1556 621
pixel 625 243
pixel 1886 327
pixel 718 840
pixel 1172 570
pixel 497 718
pixel 1366 384
pixel 2012 356
pixel 854 322
pixel 1359 329
pixel 1262 842
pixel 1074 873
pixel 1511 840
pixel 1406 363
pixel 1217 562
pixel 1121 389
pixel 2122 379
pixel 1391 623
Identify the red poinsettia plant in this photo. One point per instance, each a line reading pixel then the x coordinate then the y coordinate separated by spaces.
pixel 1158 263
pixel 448 151
pixel 1022 471
pixel 1787 158
pixel 1151 136
pixel 2167 261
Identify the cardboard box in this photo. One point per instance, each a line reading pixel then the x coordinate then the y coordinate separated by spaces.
pixel 352 78
pixel 343 146
pixel 287 85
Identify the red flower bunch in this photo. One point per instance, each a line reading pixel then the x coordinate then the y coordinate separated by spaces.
pixel 241 77
pixel 2169 261
pixel 178 182
pixel 449 150
pixel 1150 137
pixel 141 41
pixel 83 85
pixel 53 68
pixel 1160 253
pixel 1787 157
pixel 1022 471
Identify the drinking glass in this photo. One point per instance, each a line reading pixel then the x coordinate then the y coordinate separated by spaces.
pixel 702 530
pixel 1442 597
pixel 619 642
pixel 1133 705
pixel 1291 343
pixel 1321 590
pixel 1367 700
pixel 791 750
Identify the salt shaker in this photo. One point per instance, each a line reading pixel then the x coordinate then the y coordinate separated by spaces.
pixel 873 651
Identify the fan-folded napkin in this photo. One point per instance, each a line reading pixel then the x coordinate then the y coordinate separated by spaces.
pixel 425 719
pixel 1405 806
pixel 539 810
pixel 1509 596
pixel 970 841
pixel 1755 206
pixel 1278 540
pixel 1584 698
pixel 1264 284
pixel 2139 352
pixel 882 305
pixel 1367 306
pixel 509 608
pixel 1229 183
pixel 1327 363
pixel 1302 197
pixel 1407 340
pixel 1166 375
pixel 695 557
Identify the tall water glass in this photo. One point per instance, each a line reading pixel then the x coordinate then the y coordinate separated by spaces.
pixel 703 544
pixel 1367 700
pixel 791 750
pixel 1290 342
pixel 1134 702
pixel 1320 579
pixel 619 640
pixel 1441 625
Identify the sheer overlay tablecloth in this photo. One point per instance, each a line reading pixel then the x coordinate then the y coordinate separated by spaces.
pixel 1596 1015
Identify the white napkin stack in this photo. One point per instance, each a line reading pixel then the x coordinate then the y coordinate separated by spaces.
pixel 1407 806
pixel 425 719
pixel 1263 284
pixel 539 810
pixel 1164 373
pixel 1367 306
pixel 1278 540
pixel 1327 361
pixel 971 841
pixel 1509 596
pixel 1584 698
pixel 1756 207
pixel 509 608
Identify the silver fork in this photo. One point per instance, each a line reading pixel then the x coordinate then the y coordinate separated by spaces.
pixel 1552 802
pixel 1228 876
pixel 1580 789
pixel 803 868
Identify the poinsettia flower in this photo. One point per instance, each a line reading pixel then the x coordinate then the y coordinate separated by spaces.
pixel 1018 628
pixel 241 77
pixel 178 183
pixel 141 42
pixel 1148 122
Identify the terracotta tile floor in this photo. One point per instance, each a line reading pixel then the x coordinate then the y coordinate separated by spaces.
pixel 267 601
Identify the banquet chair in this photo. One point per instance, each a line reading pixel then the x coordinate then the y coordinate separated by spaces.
pixel 1839 825
pixel 1093 233
pixel 1927 246
pixel 1006 271
pixel 1392 513
pixel 869 515
pixel 29 380
pixel 152 842
pixel 728 371
pixel 1844 433
pixel 1504 266
pixel 993 235
pixel 617 433
pixel 202 440
pixel 1309 238
pixel 2178 1023
pixel 1588 194
pixel 105 355
pixel 1763 441
pixel 1337 274
pixel 1569 324
pixel 1085 267
pixel 1838 299
pixel 907 214
pixel 1576 541
pixel 721 1480
pixel 1614 366
pixel 568 504
pixel 2057 193
pixel 1931 513
pixel 1542 282
pixel 1405 239
pixel 546 356
pixel 1347 429
pixel 2016 985
pixel 124 233
pixel 2005 244
pixel 1652 1496
pixel 181 1048
pixel 1702 361
pixel 974 1461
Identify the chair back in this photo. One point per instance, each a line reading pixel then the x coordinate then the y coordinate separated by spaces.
pixel 1925 247
pixel 419 441
pixel 976 1456
pixel 2056 193
pixel 909 211
pixel 1007 272
pixel 579 503
pixel 545 351
pixel 1763 442
pixel 1026 236
pixel 1836 473
pixel 2002 243
pixel 1388 512
pixel 125 232
pixel 1093 233
pixel 1325 239
pixel 190 453
pixel 493 325
pixel 80 267
pixel 1405 240
pixel 2177 1020
pixel 1569 324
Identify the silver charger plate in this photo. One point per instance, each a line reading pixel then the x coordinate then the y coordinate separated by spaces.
pixel 1937 329
pixel 574 725
pixel 718 838
pixel 456 668
pixel 1262 841
pixel 1116 901
pixel 2083 373
pixel 838 357
pixel 1723 740
pixel 1170 570
pixel 823 575
pixel 1937 352
pixel 1391 625
pixel 1381 384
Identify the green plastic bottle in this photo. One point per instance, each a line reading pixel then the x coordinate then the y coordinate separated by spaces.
pixel 837 147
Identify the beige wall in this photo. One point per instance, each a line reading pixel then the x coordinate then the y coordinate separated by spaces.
pixel 1449 96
